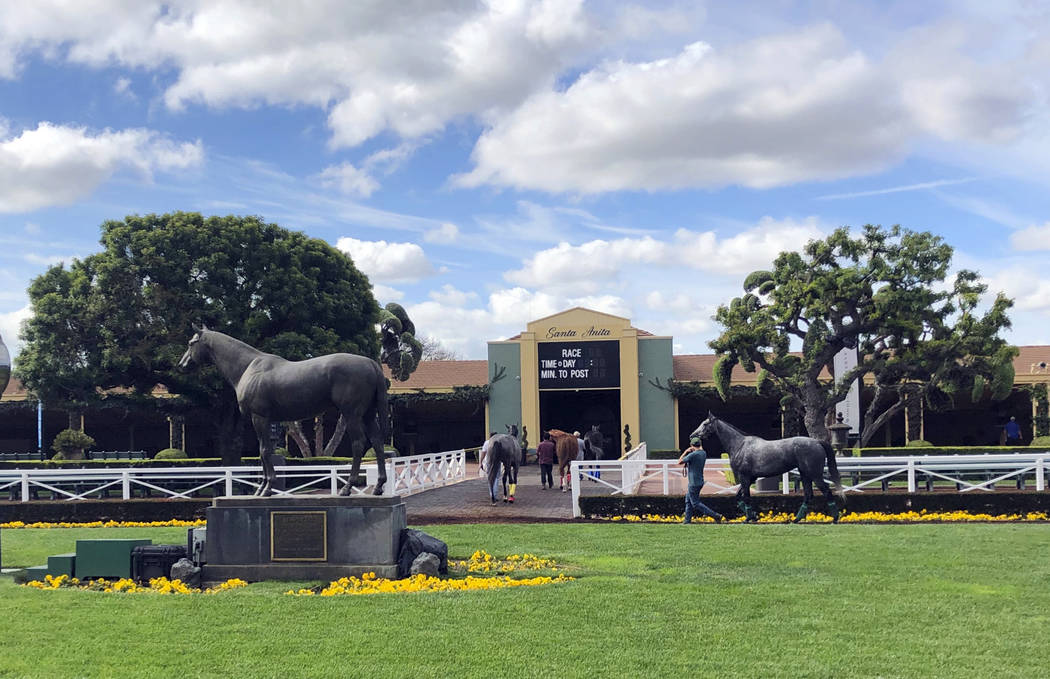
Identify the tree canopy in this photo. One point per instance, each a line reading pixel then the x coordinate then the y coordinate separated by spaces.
pixel 884 294
pixel 122 317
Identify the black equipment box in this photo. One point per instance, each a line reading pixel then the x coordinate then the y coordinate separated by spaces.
pixel 154 561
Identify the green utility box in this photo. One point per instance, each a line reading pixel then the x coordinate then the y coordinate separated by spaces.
pixel 61 564
pixel 106 558
pixel 35 573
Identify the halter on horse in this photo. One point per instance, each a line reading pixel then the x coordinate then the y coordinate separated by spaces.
pixel 752 457
pixel 505 453
pixel 567 448
pixel 272 389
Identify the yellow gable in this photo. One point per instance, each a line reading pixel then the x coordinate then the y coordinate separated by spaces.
pixel 579 324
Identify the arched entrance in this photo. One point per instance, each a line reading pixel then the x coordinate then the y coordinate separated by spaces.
pixel 580 409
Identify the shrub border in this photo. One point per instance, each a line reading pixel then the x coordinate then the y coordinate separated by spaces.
pixel 994 503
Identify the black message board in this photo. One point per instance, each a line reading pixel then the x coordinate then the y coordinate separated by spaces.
pixel 579 365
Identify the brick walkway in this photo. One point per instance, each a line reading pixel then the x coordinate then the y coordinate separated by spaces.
pixel 468 501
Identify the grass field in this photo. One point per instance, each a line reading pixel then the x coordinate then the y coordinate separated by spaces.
pixel 649 600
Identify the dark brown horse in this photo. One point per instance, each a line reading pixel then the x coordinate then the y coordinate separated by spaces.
pixel 272 389
pixel 567 448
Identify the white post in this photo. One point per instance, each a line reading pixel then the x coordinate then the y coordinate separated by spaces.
pixel 1040 482
pixel 333 481
pixel 229 483
pixel 785 483
pixel 25 486
pixel 667 479
pixel 125 485
pixel 911 476
pixel 574 467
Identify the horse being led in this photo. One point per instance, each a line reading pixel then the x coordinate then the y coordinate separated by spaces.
pixel 592 449
pixel 505 454
pixel 751 457
pixel 566 446
pixel 272 389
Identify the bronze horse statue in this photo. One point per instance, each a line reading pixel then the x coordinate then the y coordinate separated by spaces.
pixel 751 457
pixel 272 389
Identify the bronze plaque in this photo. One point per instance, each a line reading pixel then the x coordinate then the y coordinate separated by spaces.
pixel 299 536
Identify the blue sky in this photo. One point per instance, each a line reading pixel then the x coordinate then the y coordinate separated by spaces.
pixel 488 163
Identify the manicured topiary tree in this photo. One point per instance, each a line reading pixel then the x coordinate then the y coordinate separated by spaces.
pixel 70 444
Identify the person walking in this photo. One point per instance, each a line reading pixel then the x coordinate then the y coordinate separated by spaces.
pixel 1013 432
pixel 693 460
pixel 545 458
pixel 483 454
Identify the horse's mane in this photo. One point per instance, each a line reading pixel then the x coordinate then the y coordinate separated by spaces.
pixel 731 427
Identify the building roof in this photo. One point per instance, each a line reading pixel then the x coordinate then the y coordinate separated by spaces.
pixel 442 375
pixel 1032 365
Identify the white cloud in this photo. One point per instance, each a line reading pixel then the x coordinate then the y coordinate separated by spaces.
pixel 56 165
pixel 385 293
pixel 1035 237
pixel 451 296
pixel 748 250
pixel 388 262
pixel 10 325
pixel 409 67
pixel 781 109
pixel 122 86
pixel 658 301
pixel 593 265
pixel 446 233
pixel 49 260
pixel 349 180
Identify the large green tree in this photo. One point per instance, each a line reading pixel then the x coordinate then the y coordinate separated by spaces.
pixel 122 317
pixel 883 293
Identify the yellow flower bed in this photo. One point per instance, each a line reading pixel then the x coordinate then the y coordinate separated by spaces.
pixel 483 562
pixel 922 516
pixel 127 585
pixel 370 584
pixel 196 523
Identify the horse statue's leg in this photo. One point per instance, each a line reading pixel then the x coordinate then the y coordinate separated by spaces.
pixel 375 437
pixel 807 497
pixel 829 497
pixel 262 432
pixel 357 446
pixel 744 499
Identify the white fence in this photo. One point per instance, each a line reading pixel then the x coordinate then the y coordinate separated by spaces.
pixel 405 475
pixel 968 473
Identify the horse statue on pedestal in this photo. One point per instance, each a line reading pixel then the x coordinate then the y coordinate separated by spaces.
pixel 504 454
pixel 272 389
pixel 752 457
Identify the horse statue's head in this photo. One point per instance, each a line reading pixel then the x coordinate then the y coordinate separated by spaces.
pixel 706 428
pixel 197 351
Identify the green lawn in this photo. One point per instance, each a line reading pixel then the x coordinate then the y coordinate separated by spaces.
pixel 649 600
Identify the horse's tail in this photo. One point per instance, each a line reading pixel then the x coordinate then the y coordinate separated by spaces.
pixel 833 468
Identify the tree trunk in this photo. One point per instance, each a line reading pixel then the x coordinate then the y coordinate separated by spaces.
pixel 816 411
pixel 319 433
pixel 76 419
pixel 337 436
pixel 295 430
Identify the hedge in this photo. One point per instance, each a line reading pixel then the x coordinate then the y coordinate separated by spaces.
pixel 999 502
pixel 55 511
pixel 146 464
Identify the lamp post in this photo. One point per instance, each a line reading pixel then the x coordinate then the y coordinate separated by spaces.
pixel 839 434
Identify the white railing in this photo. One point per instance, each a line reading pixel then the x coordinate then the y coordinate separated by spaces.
pixel 968 473
pixel 405 475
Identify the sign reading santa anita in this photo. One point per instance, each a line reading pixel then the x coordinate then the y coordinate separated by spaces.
pixel 579 365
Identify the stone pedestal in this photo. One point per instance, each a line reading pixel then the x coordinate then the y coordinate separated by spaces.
pixel 302 538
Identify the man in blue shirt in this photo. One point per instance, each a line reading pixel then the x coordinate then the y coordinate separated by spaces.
pixel 1013 432
pixel 694 458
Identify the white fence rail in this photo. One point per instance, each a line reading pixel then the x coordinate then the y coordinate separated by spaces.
pixel 967 473
pixel 405 475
